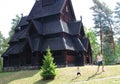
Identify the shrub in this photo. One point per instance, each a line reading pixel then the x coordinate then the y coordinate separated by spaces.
pixel 48 67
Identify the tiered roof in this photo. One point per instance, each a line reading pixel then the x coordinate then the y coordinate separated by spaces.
pixel 74 31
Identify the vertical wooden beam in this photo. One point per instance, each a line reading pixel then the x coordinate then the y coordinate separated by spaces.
pixel 84 59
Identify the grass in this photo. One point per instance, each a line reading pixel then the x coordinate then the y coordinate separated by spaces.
pixel 65 75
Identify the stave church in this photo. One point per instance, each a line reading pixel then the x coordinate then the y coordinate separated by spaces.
pixel 50 23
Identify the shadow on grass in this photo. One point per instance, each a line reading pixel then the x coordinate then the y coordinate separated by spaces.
pixel 7 77
pixel 95 74
pixel 74 79
pixel 42 81
pixel 92 76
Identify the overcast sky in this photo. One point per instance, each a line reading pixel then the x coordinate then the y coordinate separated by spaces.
pixel 9 9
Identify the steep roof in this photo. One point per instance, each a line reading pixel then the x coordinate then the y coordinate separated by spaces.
pixel 23 21
pixel 15 49
pixel 39 10
pixel 22 33
pixel 78 44
pixel 75 27
pixel 58 43
pixel 85 41
pixel 55 27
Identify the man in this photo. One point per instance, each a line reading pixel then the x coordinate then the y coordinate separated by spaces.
pixel 100 62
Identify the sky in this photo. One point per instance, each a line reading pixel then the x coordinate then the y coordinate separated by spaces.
pixel 10 8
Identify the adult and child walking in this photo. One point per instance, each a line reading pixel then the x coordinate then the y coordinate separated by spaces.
pixel 99 59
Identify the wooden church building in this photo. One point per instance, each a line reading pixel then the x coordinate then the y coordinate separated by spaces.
pixel 50 23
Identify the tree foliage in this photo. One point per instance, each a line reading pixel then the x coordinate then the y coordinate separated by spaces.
pixel 3 47
pixel 117 18
pixel 103 19
pixel 93 41
pixel 109 54
pixel 104 25
pixel 48 67
pixel 102 15
pixel 14 23
pixel 3 44
pixel 117 51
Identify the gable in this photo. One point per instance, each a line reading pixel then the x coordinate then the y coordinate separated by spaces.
pixel 68 12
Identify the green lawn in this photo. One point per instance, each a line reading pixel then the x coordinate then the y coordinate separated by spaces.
pixel 65 75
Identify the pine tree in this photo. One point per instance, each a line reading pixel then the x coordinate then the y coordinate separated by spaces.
pixel 48 67
pixel 94 44
pixel 117 18
pixel 3 44
pixel 103 20
pixel 14 23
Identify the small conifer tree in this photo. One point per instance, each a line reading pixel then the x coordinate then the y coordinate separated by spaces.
pixel 48 67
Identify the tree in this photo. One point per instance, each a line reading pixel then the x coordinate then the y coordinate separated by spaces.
pixel 3 47
pixel 3 44
pixel 117 51
pixel 48 67
pixel 103 21
pixel 117 18
pixel 109 55
pixel 14 23
pixel 93 41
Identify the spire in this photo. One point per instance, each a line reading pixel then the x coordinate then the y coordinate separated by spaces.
pixel 81 18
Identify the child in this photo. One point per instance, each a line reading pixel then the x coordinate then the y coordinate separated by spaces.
pixel 78 71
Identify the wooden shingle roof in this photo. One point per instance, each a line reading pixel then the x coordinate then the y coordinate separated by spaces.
pixel 39 10
pixel 15 49
pixel 23 33
pixel 55 27
pixel 75 27
pixel 23 21
pixel 78 44
pixel 85 41
pixel 59 43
